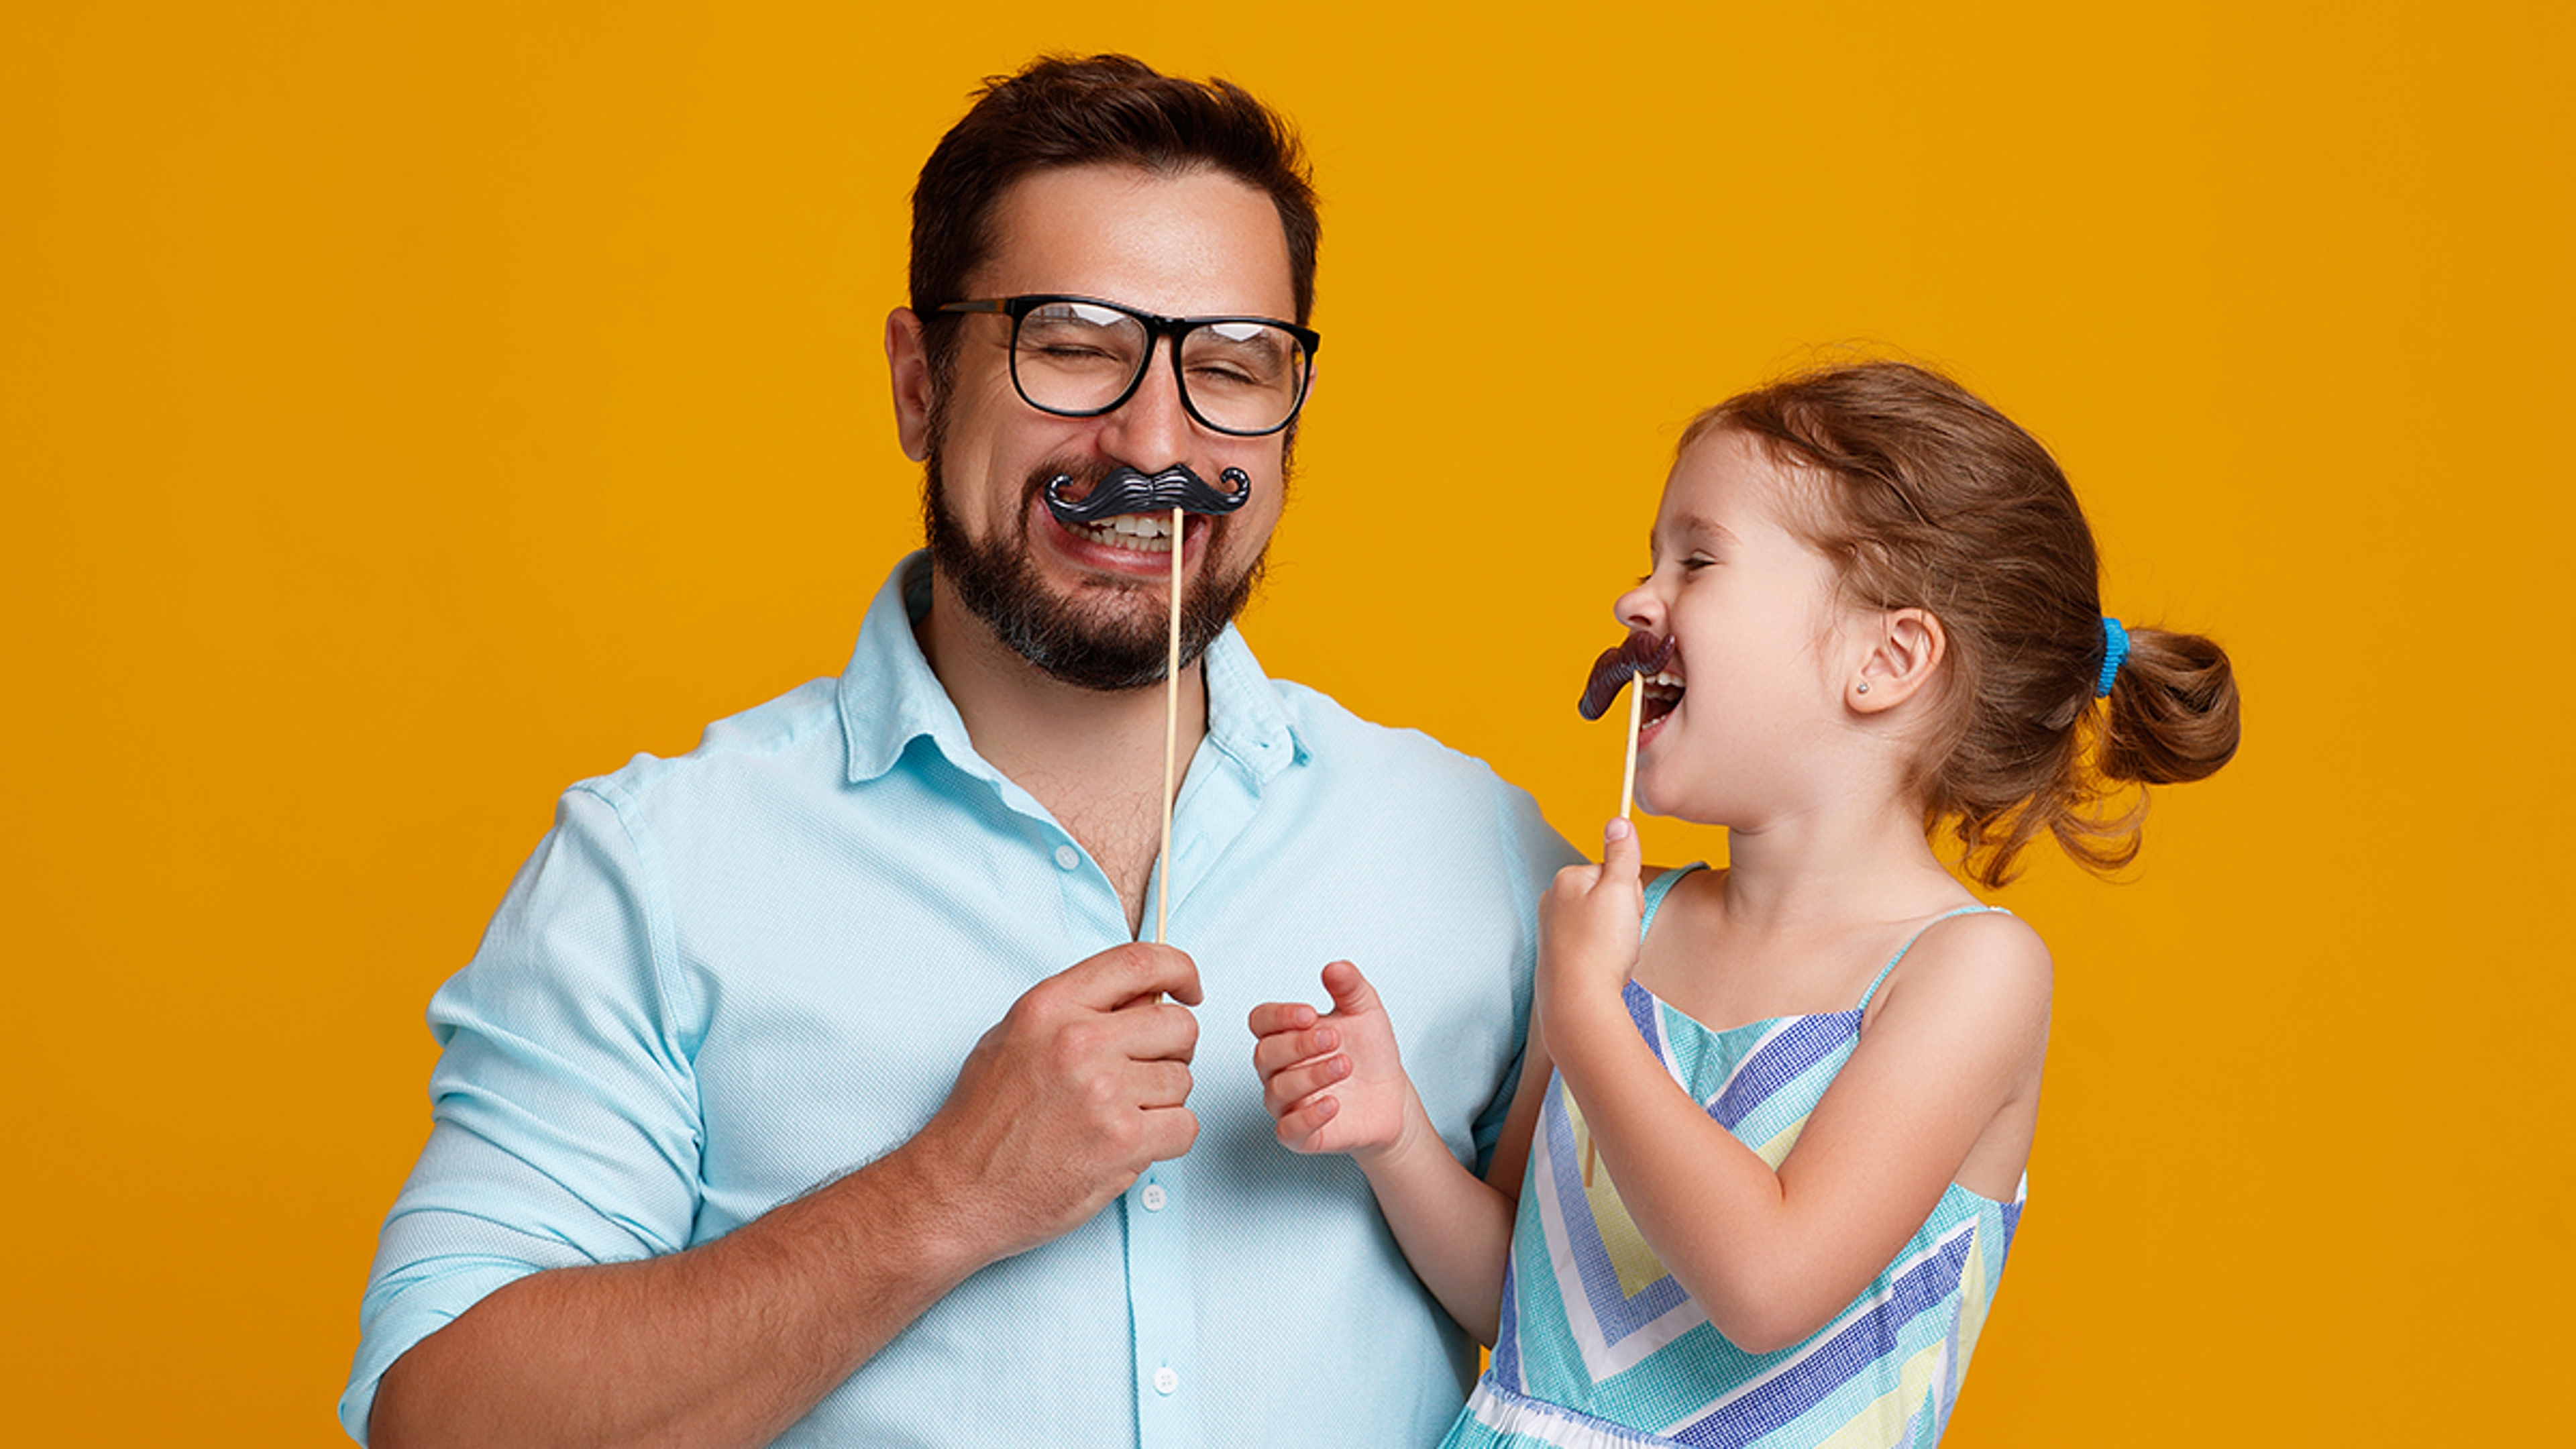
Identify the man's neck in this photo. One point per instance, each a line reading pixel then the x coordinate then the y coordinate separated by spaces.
pixel 1093 758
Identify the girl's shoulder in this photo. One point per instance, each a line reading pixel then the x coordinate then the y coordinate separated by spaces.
pixel 1990 958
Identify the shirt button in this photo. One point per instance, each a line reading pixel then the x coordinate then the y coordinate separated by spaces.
pixel 1067 857
pixel 1154 1197
pixel 1166 1381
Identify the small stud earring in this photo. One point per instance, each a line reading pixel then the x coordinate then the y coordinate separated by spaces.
pixel 1864 687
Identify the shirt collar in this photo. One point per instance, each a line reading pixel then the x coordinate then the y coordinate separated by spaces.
pixel 889 697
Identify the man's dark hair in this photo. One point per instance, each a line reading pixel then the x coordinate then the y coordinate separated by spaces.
pixel 1094 111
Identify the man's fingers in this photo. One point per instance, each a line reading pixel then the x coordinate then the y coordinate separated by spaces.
pixel 1159 1084
pixel 1169 1132
pixel 1120 974
pixel 1083 1084
pixel 1161 1032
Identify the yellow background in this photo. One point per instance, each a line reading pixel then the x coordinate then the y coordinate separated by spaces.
pixel 405 414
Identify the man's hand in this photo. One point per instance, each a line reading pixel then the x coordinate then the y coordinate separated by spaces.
pixel 1334 1083
pixel 1069 1098
pixel 1062 1104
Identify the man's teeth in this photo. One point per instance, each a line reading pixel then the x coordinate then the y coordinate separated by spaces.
pixel 1144 532
pixel 1665 678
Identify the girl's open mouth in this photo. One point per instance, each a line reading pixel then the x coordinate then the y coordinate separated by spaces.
pixel 1663 692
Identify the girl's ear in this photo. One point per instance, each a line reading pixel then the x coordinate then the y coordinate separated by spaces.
pixel 1900 658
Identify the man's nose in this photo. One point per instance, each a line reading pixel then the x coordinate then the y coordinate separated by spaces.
pixel 1151 431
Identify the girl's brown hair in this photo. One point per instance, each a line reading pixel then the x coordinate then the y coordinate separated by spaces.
pixel 1928 498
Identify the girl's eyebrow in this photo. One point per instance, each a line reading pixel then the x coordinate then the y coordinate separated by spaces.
pixel 1693 525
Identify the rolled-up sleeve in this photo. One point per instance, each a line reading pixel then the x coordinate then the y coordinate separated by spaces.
pixel 565 1121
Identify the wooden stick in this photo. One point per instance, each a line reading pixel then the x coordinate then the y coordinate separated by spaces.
pixel 1636 721
pixel 1172 741
pixel 1627 802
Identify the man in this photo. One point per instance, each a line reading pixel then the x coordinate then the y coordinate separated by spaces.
pixel 815 1088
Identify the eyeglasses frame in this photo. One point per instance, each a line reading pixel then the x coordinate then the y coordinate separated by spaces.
pixel 1156 328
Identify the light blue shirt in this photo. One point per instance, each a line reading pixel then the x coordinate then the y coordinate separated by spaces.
pixel 726 978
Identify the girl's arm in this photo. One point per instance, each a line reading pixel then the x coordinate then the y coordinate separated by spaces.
pixel 1771 1257
pixel 1335 1084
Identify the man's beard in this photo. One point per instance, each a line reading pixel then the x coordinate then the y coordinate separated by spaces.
pixel 1103 648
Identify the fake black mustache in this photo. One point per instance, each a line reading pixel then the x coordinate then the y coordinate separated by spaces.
pixel 1125 490
pixel 1637 656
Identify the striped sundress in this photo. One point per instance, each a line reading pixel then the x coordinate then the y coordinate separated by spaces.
pixel 1599 1346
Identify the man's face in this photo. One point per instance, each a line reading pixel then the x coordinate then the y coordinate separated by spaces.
pixel 1089 604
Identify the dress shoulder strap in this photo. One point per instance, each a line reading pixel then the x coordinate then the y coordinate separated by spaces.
pixel 1881 978
pixel 1660 887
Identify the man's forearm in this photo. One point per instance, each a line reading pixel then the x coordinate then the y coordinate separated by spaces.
pixel 1078 1089
pixel 723 1345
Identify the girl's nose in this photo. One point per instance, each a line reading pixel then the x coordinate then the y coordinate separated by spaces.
pixel 1639 609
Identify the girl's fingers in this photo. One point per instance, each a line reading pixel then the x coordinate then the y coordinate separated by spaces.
pixel 1619 851
pixel 1287 1089
pixel 1297 1128
pixel 1272 1017
pixel 1281 1050
pixel 1352 995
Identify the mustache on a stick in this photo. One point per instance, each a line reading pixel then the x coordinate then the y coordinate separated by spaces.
pixel 1124 490
pixel 1174 491
pixel 1637 656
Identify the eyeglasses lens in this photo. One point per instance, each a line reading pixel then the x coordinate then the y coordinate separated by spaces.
pixel 1079 358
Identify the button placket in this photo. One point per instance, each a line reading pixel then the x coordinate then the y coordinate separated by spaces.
pixel 1162 1310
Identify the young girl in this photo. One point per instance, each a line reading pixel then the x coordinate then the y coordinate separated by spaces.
pixel 1774 1117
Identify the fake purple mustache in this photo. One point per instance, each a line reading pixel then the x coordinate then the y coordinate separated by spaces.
pixel 1640 654
pixel 1125 490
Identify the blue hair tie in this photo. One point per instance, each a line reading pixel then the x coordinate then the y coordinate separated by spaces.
pixel 2115 648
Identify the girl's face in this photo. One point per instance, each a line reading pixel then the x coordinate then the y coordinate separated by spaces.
pixel 1738 721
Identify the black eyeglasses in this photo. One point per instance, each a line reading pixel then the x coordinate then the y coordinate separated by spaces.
pixel 1079 357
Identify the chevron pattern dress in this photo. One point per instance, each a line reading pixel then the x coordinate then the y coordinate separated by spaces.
pixel 1599 1346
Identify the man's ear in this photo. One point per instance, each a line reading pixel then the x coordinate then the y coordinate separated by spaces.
pixel 909 366
pixel 1900 657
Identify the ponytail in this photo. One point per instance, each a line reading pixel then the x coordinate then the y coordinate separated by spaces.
pixel 2173 713
pixel 2170 716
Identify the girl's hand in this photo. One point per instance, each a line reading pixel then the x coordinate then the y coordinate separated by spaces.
pixel 1589 925
pixel 1334 1083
